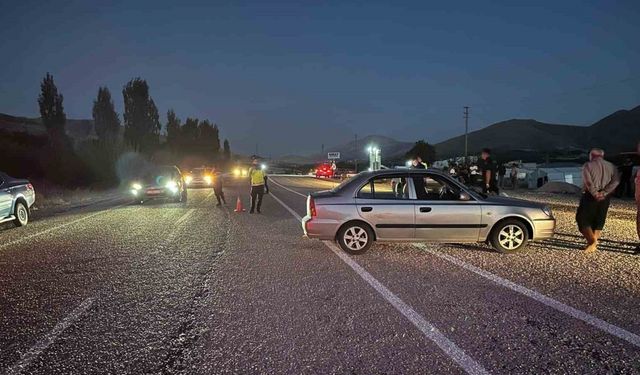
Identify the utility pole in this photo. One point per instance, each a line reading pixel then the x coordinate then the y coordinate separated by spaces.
pixel 356 153
pixel 466 135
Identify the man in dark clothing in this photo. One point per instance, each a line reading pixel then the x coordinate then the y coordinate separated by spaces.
pixel 416 163
pixel 502 171
pixel 217 187
pixel 625 189
pixel 488 168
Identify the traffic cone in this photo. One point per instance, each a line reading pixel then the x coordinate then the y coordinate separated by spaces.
pixel 239 207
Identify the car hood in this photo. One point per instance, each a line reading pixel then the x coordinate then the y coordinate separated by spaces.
pixel 508 201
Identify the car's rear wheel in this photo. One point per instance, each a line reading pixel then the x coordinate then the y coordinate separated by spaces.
pixel 355 237
pixel 21 213
pixel 509 236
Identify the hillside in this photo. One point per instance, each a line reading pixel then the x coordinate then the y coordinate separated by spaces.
pixel 615 133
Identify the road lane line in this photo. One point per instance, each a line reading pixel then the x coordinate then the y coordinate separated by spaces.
pixel 42 345
pixel 286 188
pixel 18 240
pixel 548 301
pixel 470 365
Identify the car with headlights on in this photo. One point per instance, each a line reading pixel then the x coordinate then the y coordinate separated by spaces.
pixel 17 196
pixel 161 182
pixel 199 177
pixel 414 205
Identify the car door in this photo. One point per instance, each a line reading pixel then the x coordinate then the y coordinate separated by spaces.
pixel 6 199
pixel 442 215
pixel 384 203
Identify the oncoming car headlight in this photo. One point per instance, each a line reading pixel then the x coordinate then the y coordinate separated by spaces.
pixel 188 179
pixel 136 186
pixel 547 211
pixel 172 186
pixel 208 179
pixel 236 172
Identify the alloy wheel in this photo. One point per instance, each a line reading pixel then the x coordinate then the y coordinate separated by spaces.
pixel 511 237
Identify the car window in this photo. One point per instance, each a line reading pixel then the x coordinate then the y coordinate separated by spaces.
pixel 385 187
pixel 435 188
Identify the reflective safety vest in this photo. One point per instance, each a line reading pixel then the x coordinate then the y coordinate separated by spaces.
pixel 257 177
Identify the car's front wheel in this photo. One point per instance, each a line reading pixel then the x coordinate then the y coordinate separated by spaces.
pixel 509 236
pixel 355 238
pixel 22 214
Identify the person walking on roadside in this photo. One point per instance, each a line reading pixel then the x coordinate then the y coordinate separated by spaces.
pixel 502 171
pixel 258 182
pixel 514 177
pixel 488 168
pixel 600 179
pixel 217 187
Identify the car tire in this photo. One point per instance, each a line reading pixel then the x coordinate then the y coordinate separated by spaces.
pixel 21 212
pixel 355 237
pixel 509 236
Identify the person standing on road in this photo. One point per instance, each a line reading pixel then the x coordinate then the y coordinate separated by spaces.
pixel 258 182
pixel 514 177
pixel 217 187
pixel 502 171
pixel 489 169
pixel 416 163
pixel 600 179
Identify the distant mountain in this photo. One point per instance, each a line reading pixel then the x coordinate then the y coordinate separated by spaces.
pixel 78 130
pixel 615 133
pixel 391 148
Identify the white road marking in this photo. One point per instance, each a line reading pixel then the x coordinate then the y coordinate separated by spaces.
pixel 35 351
pixel 470 365
pixel 288 189
pixel 548 301
pixel 21 239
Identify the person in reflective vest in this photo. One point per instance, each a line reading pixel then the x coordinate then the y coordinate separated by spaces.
pixel 258 179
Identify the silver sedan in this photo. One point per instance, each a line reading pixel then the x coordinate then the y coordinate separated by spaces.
pixel 421 205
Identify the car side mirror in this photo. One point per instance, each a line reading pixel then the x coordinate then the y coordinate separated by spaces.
pixel 464 196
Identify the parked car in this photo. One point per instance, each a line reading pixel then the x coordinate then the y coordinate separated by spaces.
pixel 421 205
pixel 163 182
pixel 16 198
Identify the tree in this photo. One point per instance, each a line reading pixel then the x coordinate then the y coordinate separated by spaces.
pixel 105 118
pixel 141 119
pixel 51 109
pixel 173 129
pixel 189 133
pixel 209 139
pixel 227 150
pixel 424 150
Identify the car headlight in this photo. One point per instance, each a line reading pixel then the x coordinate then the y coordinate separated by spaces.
pixel 547 211
pixel 136 186
pixel 172 186
pixel 236 172
pixel 208 180
pixel 188 179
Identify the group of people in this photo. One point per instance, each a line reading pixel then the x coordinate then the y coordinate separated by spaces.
pixel 600 179
pixel 259 186
pixel 487 173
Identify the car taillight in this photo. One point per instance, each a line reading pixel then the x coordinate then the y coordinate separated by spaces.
pixel 29 187
pixel 312 207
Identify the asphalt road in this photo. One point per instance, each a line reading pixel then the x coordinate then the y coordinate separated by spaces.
pixel 195 289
